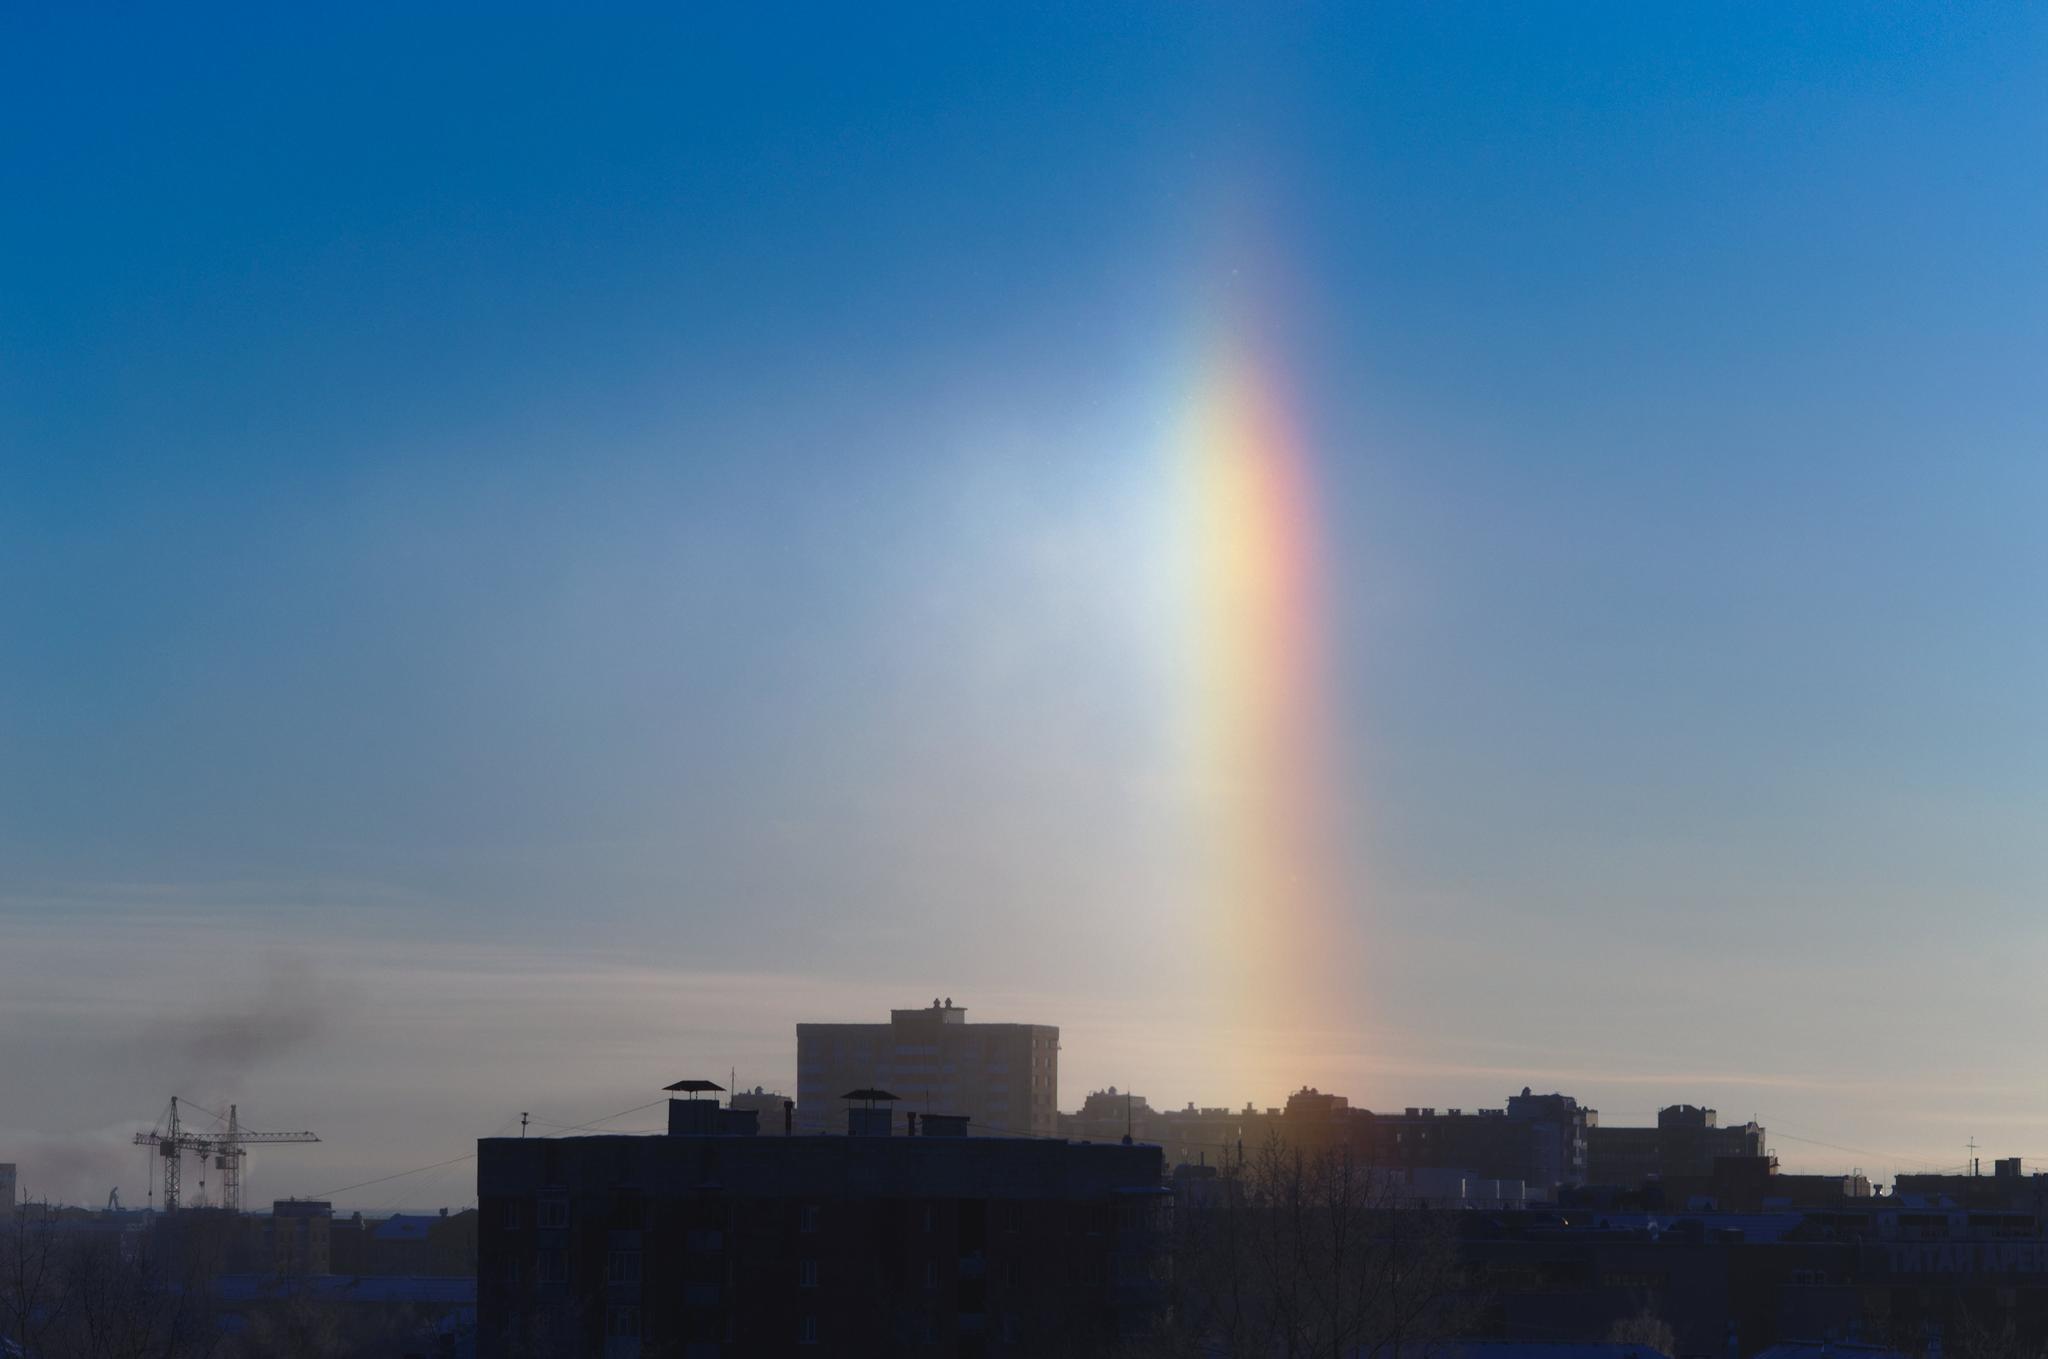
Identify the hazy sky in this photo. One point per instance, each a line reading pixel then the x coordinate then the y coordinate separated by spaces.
pixel 536 553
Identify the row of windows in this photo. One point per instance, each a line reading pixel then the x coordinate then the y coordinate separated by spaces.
pixel 627 1214
pixel 624 1323
pixel 623 1267
pixel 553 1214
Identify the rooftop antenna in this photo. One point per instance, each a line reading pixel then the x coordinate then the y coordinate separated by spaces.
pixel 1972 1144
pixel 1127 1118
pixel 522 1124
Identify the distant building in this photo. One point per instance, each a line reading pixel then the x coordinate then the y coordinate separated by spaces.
pixel 2008 1186
pixel 9 1191
pixel 301 1237
pixel 1211 1136
pixel 1749 1184
pixel 1003 1077
pixel 1110 1115
pixel 768 1106
pixel 442 1245
pixel 1539 1140
pixel 1532 1150
pixel 709 1242
pixel 1684 1144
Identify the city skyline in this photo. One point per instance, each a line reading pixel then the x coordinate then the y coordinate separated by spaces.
pixel 1416 550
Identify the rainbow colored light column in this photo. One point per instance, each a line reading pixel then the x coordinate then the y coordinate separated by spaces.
pixel 1261 738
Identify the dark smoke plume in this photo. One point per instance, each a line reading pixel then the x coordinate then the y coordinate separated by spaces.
pixel 290 1010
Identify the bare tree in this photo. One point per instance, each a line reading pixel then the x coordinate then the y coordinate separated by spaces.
pixel 31 1276
pixel 1646 1330
pixel 73 1293
pixel 1301 1252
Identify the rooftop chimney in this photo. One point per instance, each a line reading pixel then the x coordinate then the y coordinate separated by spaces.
pixel 693 1117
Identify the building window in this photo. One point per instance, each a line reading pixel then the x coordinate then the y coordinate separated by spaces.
pixel 807 1274
pixel 552 1267
pixel 622 1321
pixel 622 1267
pixel 931 1274
pixel 807 1333
pixel 807 1218
pixel 509 1215
pixel 511 1275
pixel 554 1214
pixel 927 1217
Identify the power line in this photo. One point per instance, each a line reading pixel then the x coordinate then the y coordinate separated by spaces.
pixel 592 1125
pixel 1854 1151
pixel 417 1170
pixel 471 1156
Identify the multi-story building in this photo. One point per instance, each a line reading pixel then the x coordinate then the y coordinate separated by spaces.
pixel 1536 1146
pixel 1003 1077
pixel 1110 1116
pixel 1538 1139
pixel 1684 1144
pixel 716 1242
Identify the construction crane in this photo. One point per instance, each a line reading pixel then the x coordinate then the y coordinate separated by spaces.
pixel 226 1149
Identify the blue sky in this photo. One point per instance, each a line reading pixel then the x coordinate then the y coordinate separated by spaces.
pixel 664 508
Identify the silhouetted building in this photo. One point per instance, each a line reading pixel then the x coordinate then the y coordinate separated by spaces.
pixel 1004 1077
pixel 1539 1140
pixel 1533 1149
pixel 2007 1187
pixel 1749 1184
pixel 8 1190
pixel 722 1244
pixel 1210 1136
pixel 442 1245
pixel 1110 1115
pixel 300 1236
pixel 771 1109
pixel 1684 1144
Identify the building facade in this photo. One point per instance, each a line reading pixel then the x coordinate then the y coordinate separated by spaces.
pixel 1684 1144
pixel 708 1244
pixel 1003 1077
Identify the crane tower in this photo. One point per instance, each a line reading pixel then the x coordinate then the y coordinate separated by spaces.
pixel 226 1148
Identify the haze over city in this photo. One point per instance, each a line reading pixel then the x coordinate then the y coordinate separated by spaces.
pixel 1416 550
